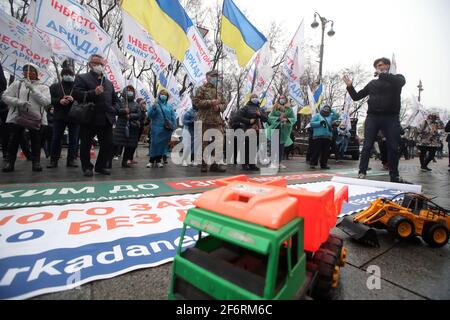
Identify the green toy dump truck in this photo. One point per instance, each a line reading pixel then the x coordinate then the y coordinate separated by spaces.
pixel 264 241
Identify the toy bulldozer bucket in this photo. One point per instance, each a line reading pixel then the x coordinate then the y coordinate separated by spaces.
pixel 359 232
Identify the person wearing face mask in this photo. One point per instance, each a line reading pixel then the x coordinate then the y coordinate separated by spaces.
pixel 210 104
pixel 62 100
pixel 383 114
pixel 94 87
pixel 251 118
pixel 26 100
pixel 164 122
pixel 126 132
pixel 322 124
pixel 283 119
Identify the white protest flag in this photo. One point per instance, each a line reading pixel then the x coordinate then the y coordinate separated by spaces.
pixel 267 101
pixel 393 69
pixel 249 78
pixel 21 43
pixel 137 42
pixel 15 67
pixel 186 104
pixel 141 91
pixel 292 66
pixel 345 116
pixel 312 101
pixel 264 72
pixel 230 107
pixel 71 30
pixel 113 68
pixel 414 111
pixel 197 60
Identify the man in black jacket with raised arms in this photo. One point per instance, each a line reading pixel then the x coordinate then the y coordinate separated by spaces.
pixel 383 114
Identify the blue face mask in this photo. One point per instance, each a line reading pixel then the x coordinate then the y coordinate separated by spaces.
pixel 163 98
pixel 68 78
pixel 130 94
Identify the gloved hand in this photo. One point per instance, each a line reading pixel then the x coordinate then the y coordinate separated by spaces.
pixel 28 84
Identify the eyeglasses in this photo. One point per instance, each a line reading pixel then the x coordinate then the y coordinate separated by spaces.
pixel 97 63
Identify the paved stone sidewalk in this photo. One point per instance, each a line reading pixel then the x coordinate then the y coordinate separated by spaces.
pixel 410 270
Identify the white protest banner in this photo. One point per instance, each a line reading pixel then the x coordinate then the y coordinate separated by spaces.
pixel 185 105
pixel 19 42
pixel 264 70
pixel 141 91
pixel 71 30
pixel 113 68
pixel 197 60
pixel 15 67
pixel 137 42
pixel 345 116
pixel 230 107
pixel 249 79
pixel 292 67
pixel 60 247
pixel 267 101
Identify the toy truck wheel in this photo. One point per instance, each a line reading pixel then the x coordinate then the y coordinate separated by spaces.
pixel 436 235
pixel 336 245
pixel 401 227
pixel 328 273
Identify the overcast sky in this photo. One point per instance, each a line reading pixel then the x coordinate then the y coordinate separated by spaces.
pixel 417 31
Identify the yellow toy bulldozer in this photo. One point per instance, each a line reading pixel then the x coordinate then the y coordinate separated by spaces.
pixel 417 215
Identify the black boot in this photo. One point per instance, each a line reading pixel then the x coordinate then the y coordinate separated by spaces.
pixel 8 167
pixel 71 163
pixel 204 167
pixel 53 164
pixel 217 168
pixel 36 167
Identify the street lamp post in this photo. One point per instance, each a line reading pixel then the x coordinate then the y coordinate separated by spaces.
pixel 330 33
pixel 420 89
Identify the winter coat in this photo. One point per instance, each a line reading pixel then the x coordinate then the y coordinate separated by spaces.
pixel 106 104
pixel 61 112
pixel 160 135
pixel 285 128
pixel 120 135
pixel 429 134
pixel 247 113
pixel 203 100
pixel 322 126
pixel 37 94
pixel 384 94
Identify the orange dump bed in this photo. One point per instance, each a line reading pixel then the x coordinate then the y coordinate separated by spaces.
pixel 273 205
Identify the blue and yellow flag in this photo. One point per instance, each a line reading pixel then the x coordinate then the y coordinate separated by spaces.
pixel 165 21
pixel 239 34
pixel 318 96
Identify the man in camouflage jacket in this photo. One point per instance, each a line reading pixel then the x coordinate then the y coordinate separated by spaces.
pixel 210 104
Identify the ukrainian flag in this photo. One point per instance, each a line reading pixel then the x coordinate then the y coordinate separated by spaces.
pixel 239 34
pixel 318 96
pixel 165 21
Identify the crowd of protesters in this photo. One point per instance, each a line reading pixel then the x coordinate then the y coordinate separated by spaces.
pixel 32 114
